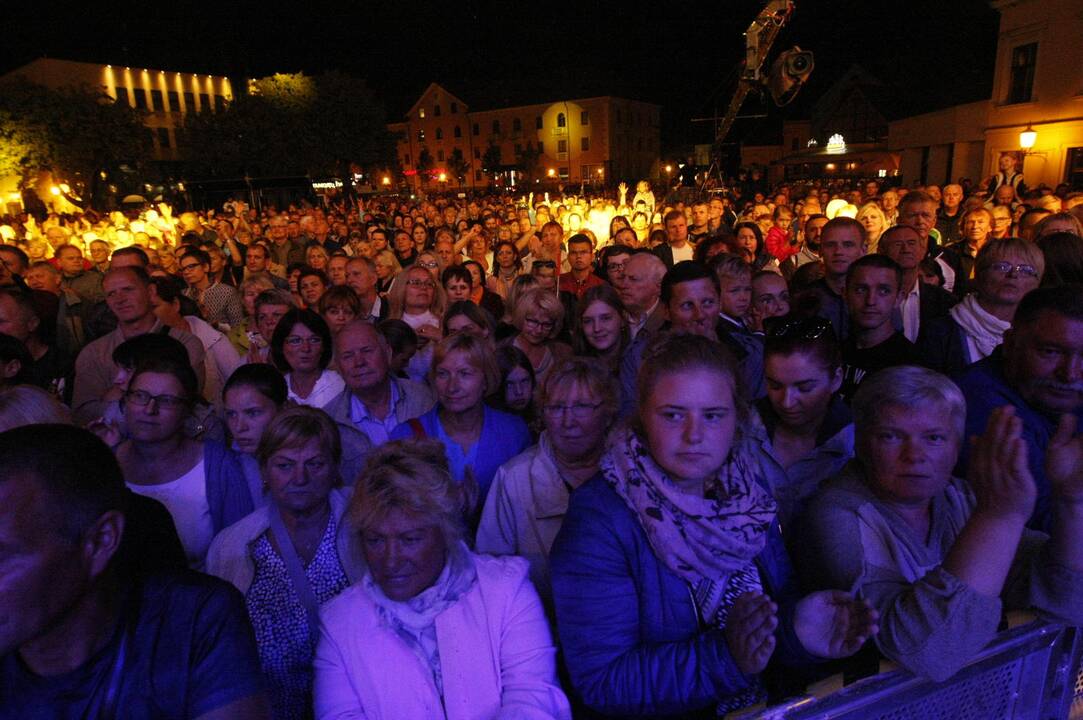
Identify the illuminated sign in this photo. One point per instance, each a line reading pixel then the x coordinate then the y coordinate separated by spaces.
pixel 836 144
pixel 327 184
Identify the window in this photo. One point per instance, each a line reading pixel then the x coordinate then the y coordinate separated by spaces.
pixel 518 149
pixel 584 118
pixel 436 111
pixel 584 143
pixel 205 102
pixel 477 154
pixel 1074 174
pixel 477 176
pixel 516 125
pixel 174 101
pixel 189 102
pixel 163 137
pixel 563 172
pixel 562 146
pixel 421 135
pixel 439 133
pixel 496 127
pixel 406 159
pixel 458 131
pixel 220 103
pixel 538 122
pixel 476 129
pixel 561 120
pixel 541 147
pixel 140 98
pixel 454 108
pixel 421 113
pixel 440 155
pixel 1024 60
pixel 156 102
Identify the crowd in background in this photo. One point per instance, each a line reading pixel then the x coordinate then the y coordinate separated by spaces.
pixel 653 452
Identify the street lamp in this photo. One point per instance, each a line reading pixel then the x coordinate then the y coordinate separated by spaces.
pixel 551 172
pixel 386 180
pixel 1027 138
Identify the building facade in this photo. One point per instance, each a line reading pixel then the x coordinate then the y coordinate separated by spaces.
pixel 1037 85
pixel 441 142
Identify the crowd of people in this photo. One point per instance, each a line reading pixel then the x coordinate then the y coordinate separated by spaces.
pixel 498 456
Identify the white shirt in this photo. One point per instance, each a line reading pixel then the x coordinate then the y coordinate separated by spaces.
pixel 186 500
pixel 328 386
pixel 911 312
pixel 682 253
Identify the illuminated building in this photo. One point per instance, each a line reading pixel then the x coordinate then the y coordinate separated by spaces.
pixel 1037 85
pixel 598 139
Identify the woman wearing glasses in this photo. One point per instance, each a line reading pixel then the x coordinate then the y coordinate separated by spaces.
pixel 530 493
pixel 419 301
pixel 539 316
pixel 671 584
pixel 301 348
pixel 807 435
pixel 478 438
pixel 198 482
pixel 1004 271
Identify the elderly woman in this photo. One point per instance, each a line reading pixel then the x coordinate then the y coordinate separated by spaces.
pixel 600 330
pixel 539 316
pixel 292 555
pixel 1004 271
pixel 338 306
pixel 808 435
pixel 387 267
pixel 241 334
pixel 530 492
pixel 478 439
pixel 872 218
pixel 667 561
pixel 431 630
pixel 938 556
pixel 301 348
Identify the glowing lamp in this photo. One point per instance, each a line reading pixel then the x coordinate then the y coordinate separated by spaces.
pixel 599 171
pixel 386 180
pixel 669 168
pixel 1027 138
pixel 551 172
pixel 55 190
pixel 442 177
pixel 829 166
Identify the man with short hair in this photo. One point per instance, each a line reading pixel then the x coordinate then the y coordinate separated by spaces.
pixel 977 228
pixel 920 302
pixel 44 276
pixel 285 249
pixel 842 241
pixel 701 213
pixel 220 304
pixel 580 277
pixel 85 283
pixel 258 260
pixel 676 248
pixel 85 633
pixel 336 269
pixel 872 295
pixel 21 316
pixel 129 295
pixel 374 401
pixel 1039 372
pixel 361 278
pixel 950 213
pixel 99 255
pixel 640 290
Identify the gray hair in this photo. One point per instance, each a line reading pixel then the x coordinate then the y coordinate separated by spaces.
pixel 906 386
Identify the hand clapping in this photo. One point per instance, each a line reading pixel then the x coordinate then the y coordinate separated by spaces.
pixel 998 471
pixel 750 631
pixel 833 623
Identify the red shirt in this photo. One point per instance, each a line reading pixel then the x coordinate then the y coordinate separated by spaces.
pixel 568 283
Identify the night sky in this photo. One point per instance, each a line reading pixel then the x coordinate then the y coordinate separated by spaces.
pixel 681 55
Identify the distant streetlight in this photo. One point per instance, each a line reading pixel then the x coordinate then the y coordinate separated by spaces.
pixel 442 177
pixel 1027 138
pixel 669 169
pixel 551 172
pixel 386 180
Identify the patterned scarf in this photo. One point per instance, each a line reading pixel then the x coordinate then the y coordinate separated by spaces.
pixel 414 620
pixel 704 540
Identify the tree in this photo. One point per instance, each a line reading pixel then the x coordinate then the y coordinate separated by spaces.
pixel 528 160
pixel 77 133
pixel 292 124
pixel 491 160
pixel 458 166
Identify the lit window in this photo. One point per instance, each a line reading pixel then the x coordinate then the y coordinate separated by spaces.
pixel 561 120
pixel 1024 60
pixel 421 113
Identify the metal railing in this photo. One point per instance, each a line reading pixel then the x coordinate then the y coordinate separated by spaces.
pixel 1031 672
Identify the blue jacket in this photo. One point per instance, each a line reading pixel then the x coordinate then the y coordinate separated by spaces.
pixel 632 639
pixel 227 489
pixel 503 436
pixel 985 389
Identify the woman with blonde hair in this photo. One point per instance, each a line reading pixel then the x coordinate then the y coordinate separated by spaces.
pixel 294 554
pixel 419 301
pixel 387 269
pixel 872 218
pixel 539 317
pixel 432 629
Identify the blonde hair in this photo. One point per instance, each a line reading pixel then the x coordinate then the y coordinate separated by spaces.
pixel 410 476
pixel 396 296
pixel 542 300
pixel 873 208
pixel 586 373
pixel 294 427
pixel 1001 248
pixel 28 405
pixel 479 353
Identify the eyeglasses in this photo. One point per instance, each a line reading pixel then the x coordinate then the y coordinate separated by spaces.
pixel 799 328
pixel 141 398
pixel 297 340
pixel 189 266
pixel 1006 268
pixel 579 411
pixel 415 282
pixel 430 265
pixel 543 324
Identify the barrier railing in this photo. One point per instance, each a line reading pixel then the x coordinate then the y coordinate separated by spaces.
pixel 1031 672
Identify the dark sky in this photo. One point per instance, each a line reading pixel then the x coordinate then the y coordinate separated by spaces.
pixel 680 54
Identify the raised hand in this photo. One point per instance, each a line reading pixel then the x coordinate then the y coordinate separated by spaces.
pixel 1064 461
pixel 833 623
pixel 998 470
pixel 623 189
pixel 750 631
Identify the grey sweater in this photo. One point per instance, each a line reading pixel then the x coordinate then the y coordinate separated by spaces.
pixel 931 622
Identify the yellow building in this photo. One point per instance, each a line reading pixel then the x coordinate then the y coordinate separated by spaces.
pixel 166 96
pixel 599 139
pixel 1037 86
